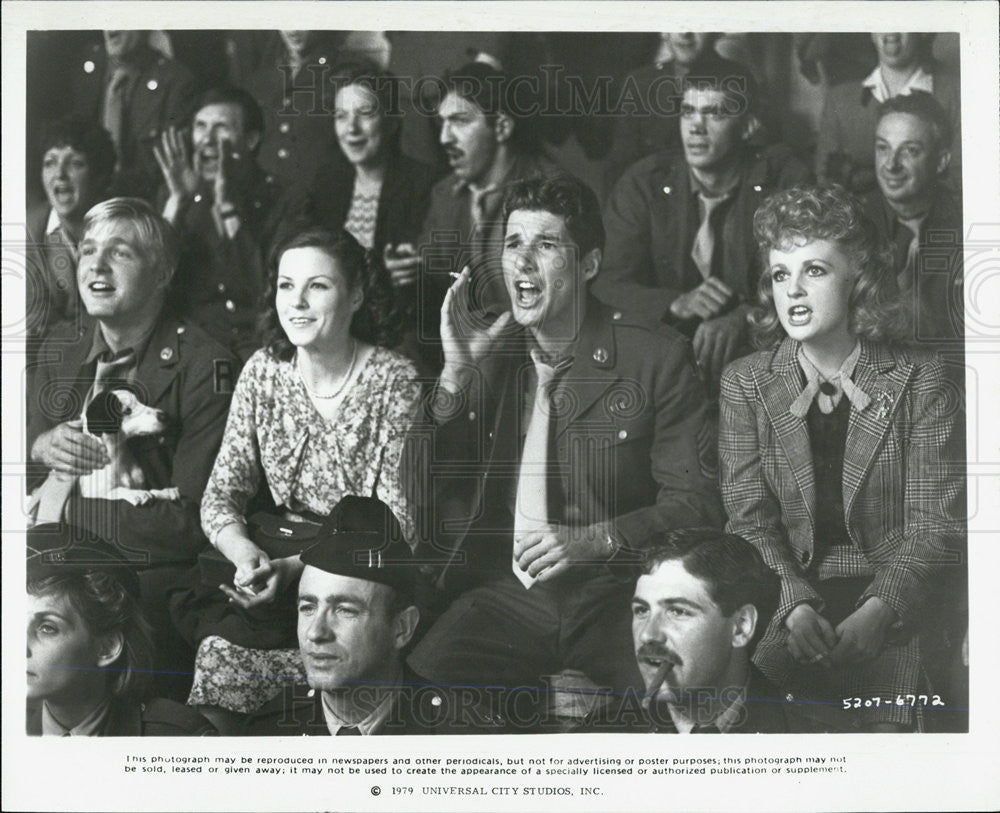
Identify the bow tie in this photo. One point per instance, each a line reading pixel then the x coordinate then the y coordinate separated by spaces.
pixel 827 392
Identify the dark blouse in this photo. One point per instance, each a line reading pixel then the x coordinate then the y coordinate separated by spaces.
pixel 827 440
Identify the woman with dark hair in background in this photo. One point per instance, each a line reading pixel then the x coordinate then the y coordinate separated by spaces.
pixel 840 460
pixel 376 192
pixel 319 413
pixel 78 160
pixel 89 647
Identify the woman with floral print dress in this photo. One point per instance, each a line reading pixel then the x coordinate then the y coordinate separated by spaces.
pixel 319 413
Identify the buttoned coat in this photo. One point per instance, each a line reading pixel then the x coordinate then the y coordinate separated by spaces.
pixel 161 94
pixel 185 374
pixel 633 442
pixel 651 222
pixel 903 476
pixel 420 708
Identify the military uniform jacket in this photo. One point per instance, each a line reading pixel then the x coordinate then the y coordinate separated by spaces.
pixel 220 281
pixel 766 710
pixel 419 708
pixel 185 374
pixel 652 218
pixel 161 94
pixel 633 443
pixel 300 135
pixel 903 482
pixel 154 718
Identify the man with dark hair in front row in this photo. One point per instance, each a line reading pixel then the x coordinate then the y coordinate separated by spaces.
pixel 356 616
pixel 557 446
pixel 701 604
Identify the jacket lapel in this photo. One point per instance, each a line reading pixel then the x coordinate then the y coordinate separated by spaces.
pixel 778 388
pixel 884 379
pixel 593 369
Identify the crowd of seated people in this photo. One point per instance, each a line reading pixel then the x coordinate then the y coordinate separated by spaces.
pixel 394 449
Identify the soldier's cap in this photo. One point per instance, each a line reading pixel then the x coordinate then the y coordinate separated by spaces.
pixel 363 539
pixel 58 549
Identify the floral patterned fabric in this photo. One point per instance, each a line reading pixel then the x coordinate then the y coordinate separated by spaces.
pixel 274 435
pixel 274 432
pixel 240 679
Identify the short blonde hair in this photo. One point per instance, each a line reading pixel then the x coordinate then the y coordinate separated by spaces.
pixel 157 237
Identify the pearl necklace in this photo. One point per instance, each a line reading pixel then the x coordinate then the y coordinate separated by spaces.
pixel 343 381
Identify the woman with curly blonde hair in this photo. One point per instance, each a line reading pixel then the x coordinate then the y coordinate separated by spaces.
pixel 837 453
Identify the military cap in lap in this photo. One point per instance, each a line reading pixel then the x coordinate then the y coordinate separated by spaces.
pixel 55 549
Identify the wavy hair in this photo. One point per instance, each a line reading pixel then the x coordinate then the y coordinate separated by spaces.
pixel 107 607
pixel 803 214
pixel 382 85
pixel 89 139
pixel 375 322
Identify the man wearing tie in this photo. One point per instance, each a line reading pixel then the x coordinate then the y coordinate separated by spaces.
pixel 135 92
pixel 563 435
pixel 680 224
pixel 489 143
pixel 130 339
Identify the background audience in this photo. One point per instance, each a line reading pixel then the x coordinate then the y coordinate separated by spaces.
pixel 320 193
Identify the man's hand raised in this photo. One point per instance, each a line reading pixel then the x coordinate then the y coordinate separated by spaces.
pixel 466 337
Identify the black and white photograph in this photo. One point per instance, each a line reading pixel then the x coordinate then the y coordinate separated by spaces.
pixel 533 375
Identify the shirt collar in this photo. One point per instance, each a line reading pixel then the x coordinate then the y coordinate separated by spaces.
pixel 54 224
pixel 725 722
pixel 698 189
pixel 841 381
pixel 100 345
pixel 919 80
pixel 368 726
pixel 89 726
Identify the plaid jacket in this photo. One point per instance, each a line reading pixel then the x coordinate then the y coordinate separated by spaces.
pixel 903 473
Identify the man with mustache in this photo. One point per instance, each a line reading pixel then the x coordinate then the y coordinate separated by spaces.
pixel 490 142
pixel 135 93
pixel 226 210
pixel 680 224
pixel 356 617
pixel 917 211
pixel 701 604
